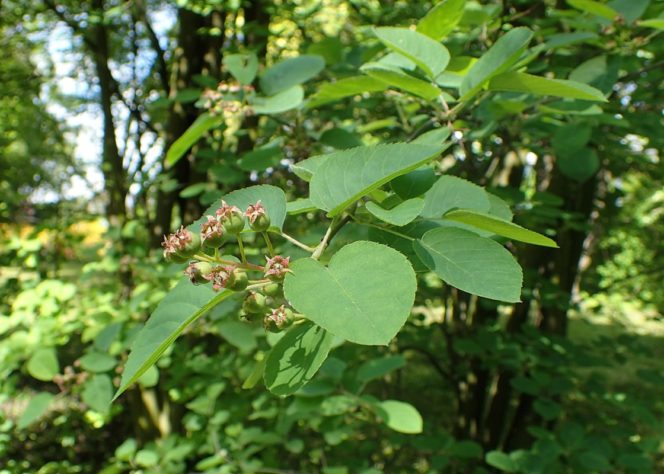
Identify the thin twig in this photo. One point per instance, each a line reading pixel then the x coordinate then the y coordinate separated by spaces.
pixel 296 242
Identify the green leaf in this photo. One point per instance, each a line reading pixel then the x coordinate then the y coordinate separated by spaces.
pixel 465 450
pixel 98 362
pixel 260 159
pixel 43 365
pixel 499 208
pixel 305 169
pixel 580 165
pixel 238 334
pixel 450 192
pixel 194 190
pixel 431 56
pixel 501 461
pixel 290 72
pixel 434 137
pixel 571 138
pixel 272 198
pixel 345 176
pixel 280 102
pixel 535 85
pixel 255 375
pixel 400 215
pixel 340 139
pixel 594 8
pixel 630 10
pixel 242 67
pixel 195 131
pixel 146 458
pixel 150 377
pixel 397 78
pixel 187 96
pixel 499 226
pixel 598 72
pixel 474 264
pixel 98 393
pixel 300 206
pixel 404 245
pixel 566 39
pixel 34 410
pixel 364 295
pixel 377 368
pixel 656 23
pixel 183 305
pixel 413 184
pixel 400 416
pixel 332 91
pixel 296 358
pixel 441 20
pixel 499 58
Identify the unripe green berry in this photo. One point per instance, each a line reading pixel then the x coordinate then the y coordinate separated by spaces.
pixel 279 319
pixel 175 258
pixel 212 233
pixel 237 280
pixel 181 245
pixel 272 289
pixel 254 303
pixel 196 271
pixel 231 218
pixel 190 247
pixel 261 224
pixel 234 224
pixel 259 221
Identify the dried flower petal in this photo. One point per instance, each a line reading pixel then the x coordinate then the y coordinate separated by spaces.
pixel 254 211
pixel 277 267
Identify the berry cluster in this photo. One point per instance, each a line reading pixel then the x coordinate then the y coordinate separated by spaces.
pixel 264 296
pixel 226 98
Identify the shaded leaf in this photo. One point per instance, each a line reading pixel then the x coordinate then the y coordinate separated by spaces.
pixel 501 461
pixel 377 368
pixel 260 159
pixel 413 184
pixel 183 305
pixel 36 407
pixel 299 206
pixel 98 393
pixel 296 358
pixel 400 215
pixel 580 165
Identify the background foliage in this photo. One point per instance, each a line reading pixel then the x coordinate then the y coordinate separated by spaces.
pixel 566 380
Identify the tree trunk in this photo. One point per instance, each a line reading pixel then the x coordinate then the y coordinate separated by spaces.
pixel 115 179
pixel 195 55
